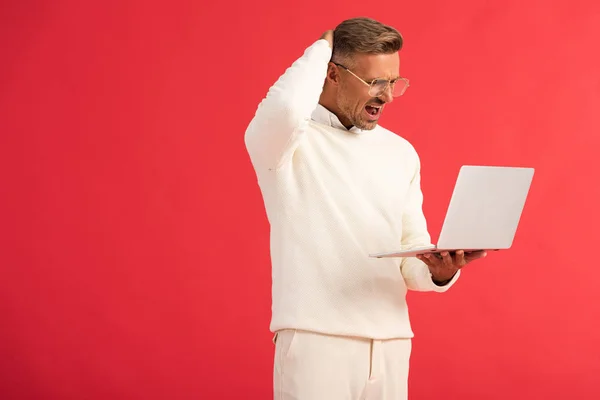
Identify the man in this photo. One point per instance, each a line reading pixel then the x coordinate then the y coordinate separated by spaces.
pixel 337 186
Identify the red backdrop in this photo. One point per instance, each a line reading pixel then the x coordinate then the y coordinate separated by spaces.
pixel 134 247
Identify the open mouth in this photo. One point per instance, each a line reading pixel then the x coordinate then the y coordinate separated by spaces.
pixel 373 111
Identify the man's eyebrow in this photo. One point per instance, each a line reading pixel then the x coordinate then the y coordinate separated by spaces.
pixel 395 78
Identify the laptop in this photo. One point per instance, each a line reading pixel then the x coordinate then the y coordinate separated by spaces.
pixel 483 214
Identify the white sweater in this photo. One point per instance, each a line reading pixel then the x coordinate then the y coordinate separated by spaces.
pixel 333 196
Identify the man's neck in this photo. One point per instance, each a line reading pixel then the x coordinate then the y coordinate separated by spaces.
pixel 330 105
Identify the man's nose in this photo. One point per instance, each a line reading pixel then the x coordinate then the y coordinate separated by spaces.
pixel 387 95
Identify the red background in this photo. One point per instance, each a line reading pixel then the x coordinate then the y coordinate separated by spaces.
pixel 134 247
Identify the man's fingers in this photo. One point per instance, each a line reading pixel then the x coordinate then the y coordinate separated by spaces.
pixel 329 37
pixel 474 255
pixel 460 258
pixel 430 259
pixel 447 259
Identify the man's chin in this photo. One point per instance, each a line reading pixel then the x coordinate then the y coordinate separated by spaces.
pixel 366 125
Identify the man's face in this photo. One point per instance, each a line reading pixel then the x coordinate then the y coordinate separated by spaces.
pixel 357 106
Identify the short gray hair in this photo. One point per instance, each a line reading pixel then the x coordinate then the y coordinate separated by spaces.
pixel 364 35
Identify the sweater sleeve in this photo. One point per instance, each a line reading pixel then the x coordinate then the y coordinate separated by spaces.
pixel 414 233
pixel 283 115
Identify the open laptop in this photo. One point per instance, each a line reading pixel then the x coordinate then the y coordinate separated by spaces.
pixel 483 214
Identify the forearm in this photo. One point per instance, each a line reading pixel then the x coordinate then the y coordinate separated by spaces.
pixel 280 118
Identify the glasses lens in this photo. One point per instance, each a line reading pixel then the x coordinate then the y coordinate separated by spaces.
pixel 400 87
pixel 378 87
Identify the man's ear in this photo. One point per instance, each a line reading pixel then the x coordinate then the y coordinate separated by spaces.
pixel 333 74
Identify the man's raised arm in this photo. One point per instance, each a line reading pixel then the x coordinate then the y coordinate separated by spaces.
pixel 278 124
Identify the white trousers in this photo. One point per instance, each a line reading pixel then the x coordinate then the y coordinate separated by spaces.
pixel 312 366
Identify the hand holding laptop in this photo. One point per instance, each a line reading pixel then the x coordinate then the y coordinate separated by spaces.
pixel 443 266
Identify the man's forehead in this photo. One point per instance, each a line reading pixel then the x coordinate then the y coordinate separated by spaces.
pixel 372 66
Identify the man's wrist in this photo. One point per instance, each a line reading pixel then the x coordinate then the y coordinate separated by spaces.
pixel 441 282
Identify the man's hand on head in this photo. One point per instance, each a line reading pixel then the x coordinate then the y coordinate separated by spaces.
pixel 329 37
pixel 444 266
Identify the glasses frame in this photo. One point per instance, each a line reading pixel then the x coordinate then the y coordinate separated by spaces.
pixel 389 83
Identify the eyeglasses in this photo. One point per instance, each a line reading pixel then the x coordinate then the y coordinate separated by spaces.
pixel 377 87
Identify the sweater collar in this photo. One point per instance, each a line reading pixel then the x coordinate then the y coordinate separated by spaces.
pixel 326 117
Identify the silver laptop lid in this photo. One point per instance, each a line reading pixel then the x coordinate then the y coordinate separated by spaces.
pixel 485 208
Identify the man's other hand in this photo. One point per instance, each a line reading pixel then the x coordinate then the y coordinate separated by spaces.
pixel 329 37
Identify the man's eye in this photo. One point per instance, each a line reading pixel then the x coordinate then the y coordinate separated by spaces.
pixel 379 82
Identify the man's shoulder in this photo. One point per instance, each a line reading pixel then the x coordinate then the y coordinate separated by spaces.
pixel 396 140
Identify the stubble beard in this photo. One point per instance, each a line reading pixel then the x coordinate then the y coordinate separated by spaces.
pixel 353 115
